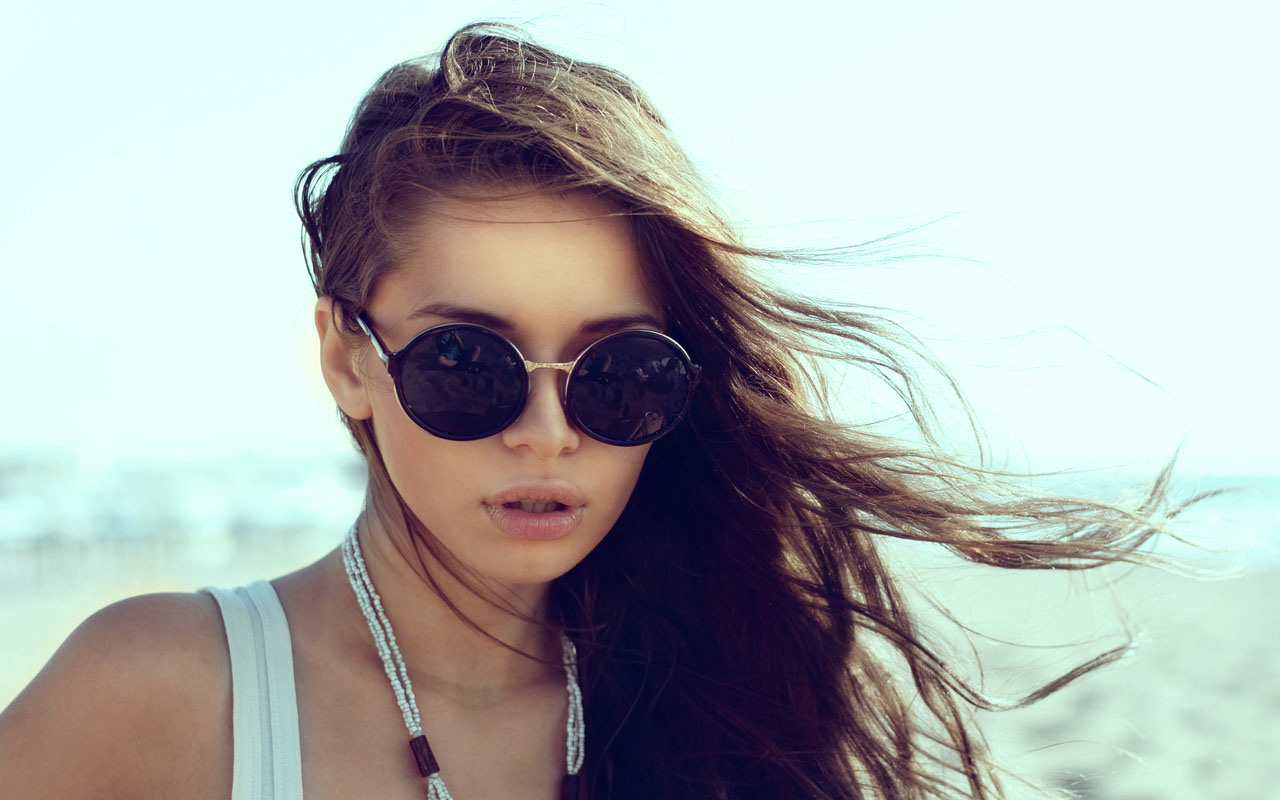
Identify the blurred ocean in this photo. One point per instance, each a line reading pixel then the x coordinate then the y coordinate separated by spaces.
pixel 77 534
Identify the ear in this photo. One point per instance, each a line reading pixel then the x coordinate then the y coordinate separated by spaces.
pixel 338 363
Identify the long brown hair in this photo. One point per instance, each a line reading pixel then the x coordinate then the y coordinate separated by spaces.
pixel 739 630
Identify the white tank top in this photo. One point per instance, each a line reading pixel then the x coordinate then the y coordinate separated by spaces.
pixel 267 756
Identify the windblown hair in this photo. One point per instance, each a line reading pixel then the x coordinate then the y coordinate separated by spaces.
pixel 740 633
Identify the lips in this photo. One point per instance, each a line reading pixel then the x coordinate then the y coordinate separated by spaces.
pixel 536 510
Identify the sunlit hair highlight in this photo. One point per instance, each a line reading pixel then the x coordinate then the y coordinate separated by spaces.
pixel 726 624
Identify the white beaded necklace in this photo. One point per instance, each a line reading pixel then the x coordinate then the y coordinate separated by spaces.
pixel 385 641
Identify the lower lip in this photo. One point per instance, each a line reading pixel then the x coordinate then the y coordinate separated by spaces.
pixel 544 527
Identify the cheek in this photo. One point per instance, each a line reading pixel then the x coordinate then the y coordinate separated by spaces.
pixel 421 466
pixel 626 463
pixel 389 423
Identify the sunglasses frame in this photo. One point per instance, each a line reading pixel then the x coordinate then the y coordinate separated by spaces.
pixel 394 363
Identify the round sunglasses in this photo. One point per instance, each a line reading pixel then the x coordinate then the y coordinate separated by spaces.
pixel 462 381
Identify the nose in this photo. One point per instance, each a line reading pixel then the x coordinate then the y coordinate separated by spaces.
pixel 543 427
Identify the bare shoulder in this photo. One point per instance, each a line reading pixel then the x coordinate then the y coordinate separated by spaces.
pixel 135 702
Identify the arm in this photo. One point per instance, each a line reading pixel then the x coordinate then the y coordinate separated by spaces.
pixel 136 703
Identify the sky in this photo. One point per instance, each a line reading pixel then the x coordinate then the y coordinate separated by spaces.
pixel 1102 278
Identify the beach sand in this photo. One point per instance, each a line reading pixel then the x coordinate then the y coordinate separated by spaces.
pixel 1193 713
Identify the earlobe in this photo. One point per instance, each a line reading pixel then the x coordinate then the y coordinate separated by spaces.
pixel 338 364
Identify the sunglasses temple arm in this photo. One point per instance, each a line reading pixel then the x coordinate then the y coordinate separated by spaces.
pixel 378 347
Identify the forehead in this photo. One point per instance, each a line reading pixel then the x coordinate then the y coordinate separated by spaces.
pixel 543 262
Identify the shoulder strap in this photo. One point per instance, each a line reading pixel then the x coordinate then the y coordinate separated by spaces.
pixel 268 760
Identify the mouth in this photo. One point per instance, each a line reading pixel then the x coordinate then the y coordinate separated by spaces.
pixel 537 512
pixel 536 506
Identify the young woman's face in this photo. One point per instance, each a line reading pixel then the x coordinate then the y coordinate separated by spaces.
pixel 553 274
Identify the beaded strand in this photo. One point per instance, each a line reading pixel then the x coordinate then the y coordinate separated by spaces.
pixel 575 724
pixel 393 664
pixel 384 638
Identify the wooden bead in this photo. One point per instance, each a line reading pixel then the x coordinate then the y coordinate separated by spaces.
pixel 422 754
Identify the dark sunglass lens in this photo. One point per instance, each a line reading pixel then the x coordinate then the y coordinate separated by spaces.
pixel 631 388
pixel 462 382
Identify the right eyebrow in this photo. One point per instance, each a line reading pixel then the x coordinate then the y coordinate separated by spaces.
pixel 463 314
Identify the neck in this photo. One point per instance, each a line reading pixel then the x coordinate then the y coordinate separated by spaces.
pixel 459 636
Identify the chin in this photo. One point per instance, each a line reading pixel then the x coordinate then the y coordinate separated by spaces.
pixel 538 565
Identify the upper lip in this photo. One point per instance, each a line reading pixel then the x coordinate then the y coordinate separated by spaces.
pixel 538 491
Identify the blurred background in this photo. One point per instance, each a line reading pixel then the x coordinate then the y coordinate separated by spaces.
pixel 1099 271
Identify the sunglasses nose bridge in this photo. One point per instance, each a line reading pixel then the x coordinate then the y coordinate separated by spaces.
pixel 562 366
pixel 559 366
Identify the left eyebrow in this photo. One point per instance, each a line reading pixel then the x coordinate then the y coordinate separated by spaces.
pixel 478 317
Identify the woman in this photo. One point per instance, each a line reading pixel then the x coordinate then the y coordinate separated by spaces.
pixel 655 576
